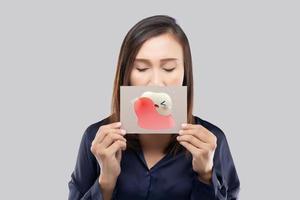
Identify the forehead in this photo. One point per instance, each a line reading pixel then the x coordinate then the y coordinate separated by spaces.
pixel 163 47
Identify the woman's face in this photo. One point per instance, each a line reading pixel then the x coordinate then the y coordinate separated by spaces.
pixel 159 62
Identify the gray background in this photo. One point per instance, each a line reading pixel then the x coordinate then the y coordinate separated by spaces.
pixel 128 117
pixel 58 61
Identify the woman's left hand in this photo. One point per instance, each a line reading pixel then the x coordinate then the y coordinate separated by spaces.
pixel 202 144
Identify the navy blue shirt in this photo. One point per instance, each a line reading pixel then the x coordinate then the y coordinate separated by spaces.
pixel 172 177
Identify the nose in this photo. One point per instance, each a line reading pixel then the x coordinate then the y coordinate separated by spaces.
pixel 156 80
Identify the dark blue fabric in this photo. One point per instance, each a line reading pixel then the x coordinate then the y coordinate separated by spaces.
pixel 171 178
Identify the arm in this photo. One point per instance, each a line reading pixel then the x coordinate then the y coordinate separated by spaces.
pixel 224 184
pixel 85 182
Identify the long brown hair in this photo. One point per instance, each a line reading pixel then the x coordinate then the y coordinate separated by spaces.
pixel 137 35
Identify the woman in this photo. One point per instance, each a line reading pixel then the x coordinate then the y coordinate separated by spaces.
pixel 194 164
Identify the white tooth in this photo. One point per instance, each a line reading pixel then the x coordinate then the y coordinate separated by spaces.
pixel 163 100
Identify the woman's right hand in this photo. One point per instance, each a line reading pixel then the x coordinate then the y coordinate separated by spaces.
pixel 107 147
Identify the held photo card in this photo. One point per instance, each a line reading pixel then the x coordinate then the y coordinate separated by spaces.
pixel 153 109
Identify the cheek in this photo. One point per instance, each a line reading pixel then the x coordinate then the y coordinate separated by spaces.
pixel 175 78
pixel 137 78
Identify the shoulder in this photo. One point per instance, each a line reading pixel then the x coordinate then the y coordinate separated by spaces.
pixel 92 129
pixel 218 132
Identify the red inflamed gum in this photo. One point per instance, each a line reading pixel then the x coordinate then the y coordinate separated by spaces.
pixel 149 118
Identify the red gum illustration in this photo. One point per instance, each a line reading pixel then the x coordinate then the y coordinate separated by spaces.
pixel 149 118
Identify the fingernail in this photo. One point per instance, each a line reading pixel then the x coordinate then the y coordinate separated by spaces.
pixel 123 131
pixel 180 132
pixel 177 137
pixel 184 125
pixel 119 123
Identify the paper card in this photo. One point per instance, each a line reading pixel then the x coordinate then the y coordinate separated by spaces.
pixel 153 109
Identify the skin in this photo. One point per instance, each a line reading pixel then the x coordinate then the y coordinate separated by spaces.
pixel 159 62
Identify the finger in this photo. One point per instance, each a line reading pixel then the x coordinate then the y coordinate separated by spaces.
pixel 196 133
pixel 197 126
pixel 208 132
pixel 192 126
pixel 112 125
pixel 119 155
pixel 185 126
pixel 105 131
pixel 208 136
pixel 110 138
pixel 193 140
pixel 106 127
pixel 194 150
pixel 116 146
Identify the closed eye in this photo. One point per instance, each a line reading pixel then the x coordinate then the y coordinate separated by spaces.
pixel 144 69
pixel 169 70
pixel 141 69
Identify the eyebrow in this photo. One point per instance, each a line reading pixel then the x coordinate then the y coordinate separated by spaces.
pixel 164 60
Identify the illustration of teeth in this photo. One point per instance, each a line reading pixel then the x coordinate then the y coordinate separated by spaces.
pixel 162 101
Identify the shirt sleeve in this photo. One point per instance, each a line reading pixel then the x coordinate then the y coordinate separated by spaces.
pixel 225 184
pixel 84 183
